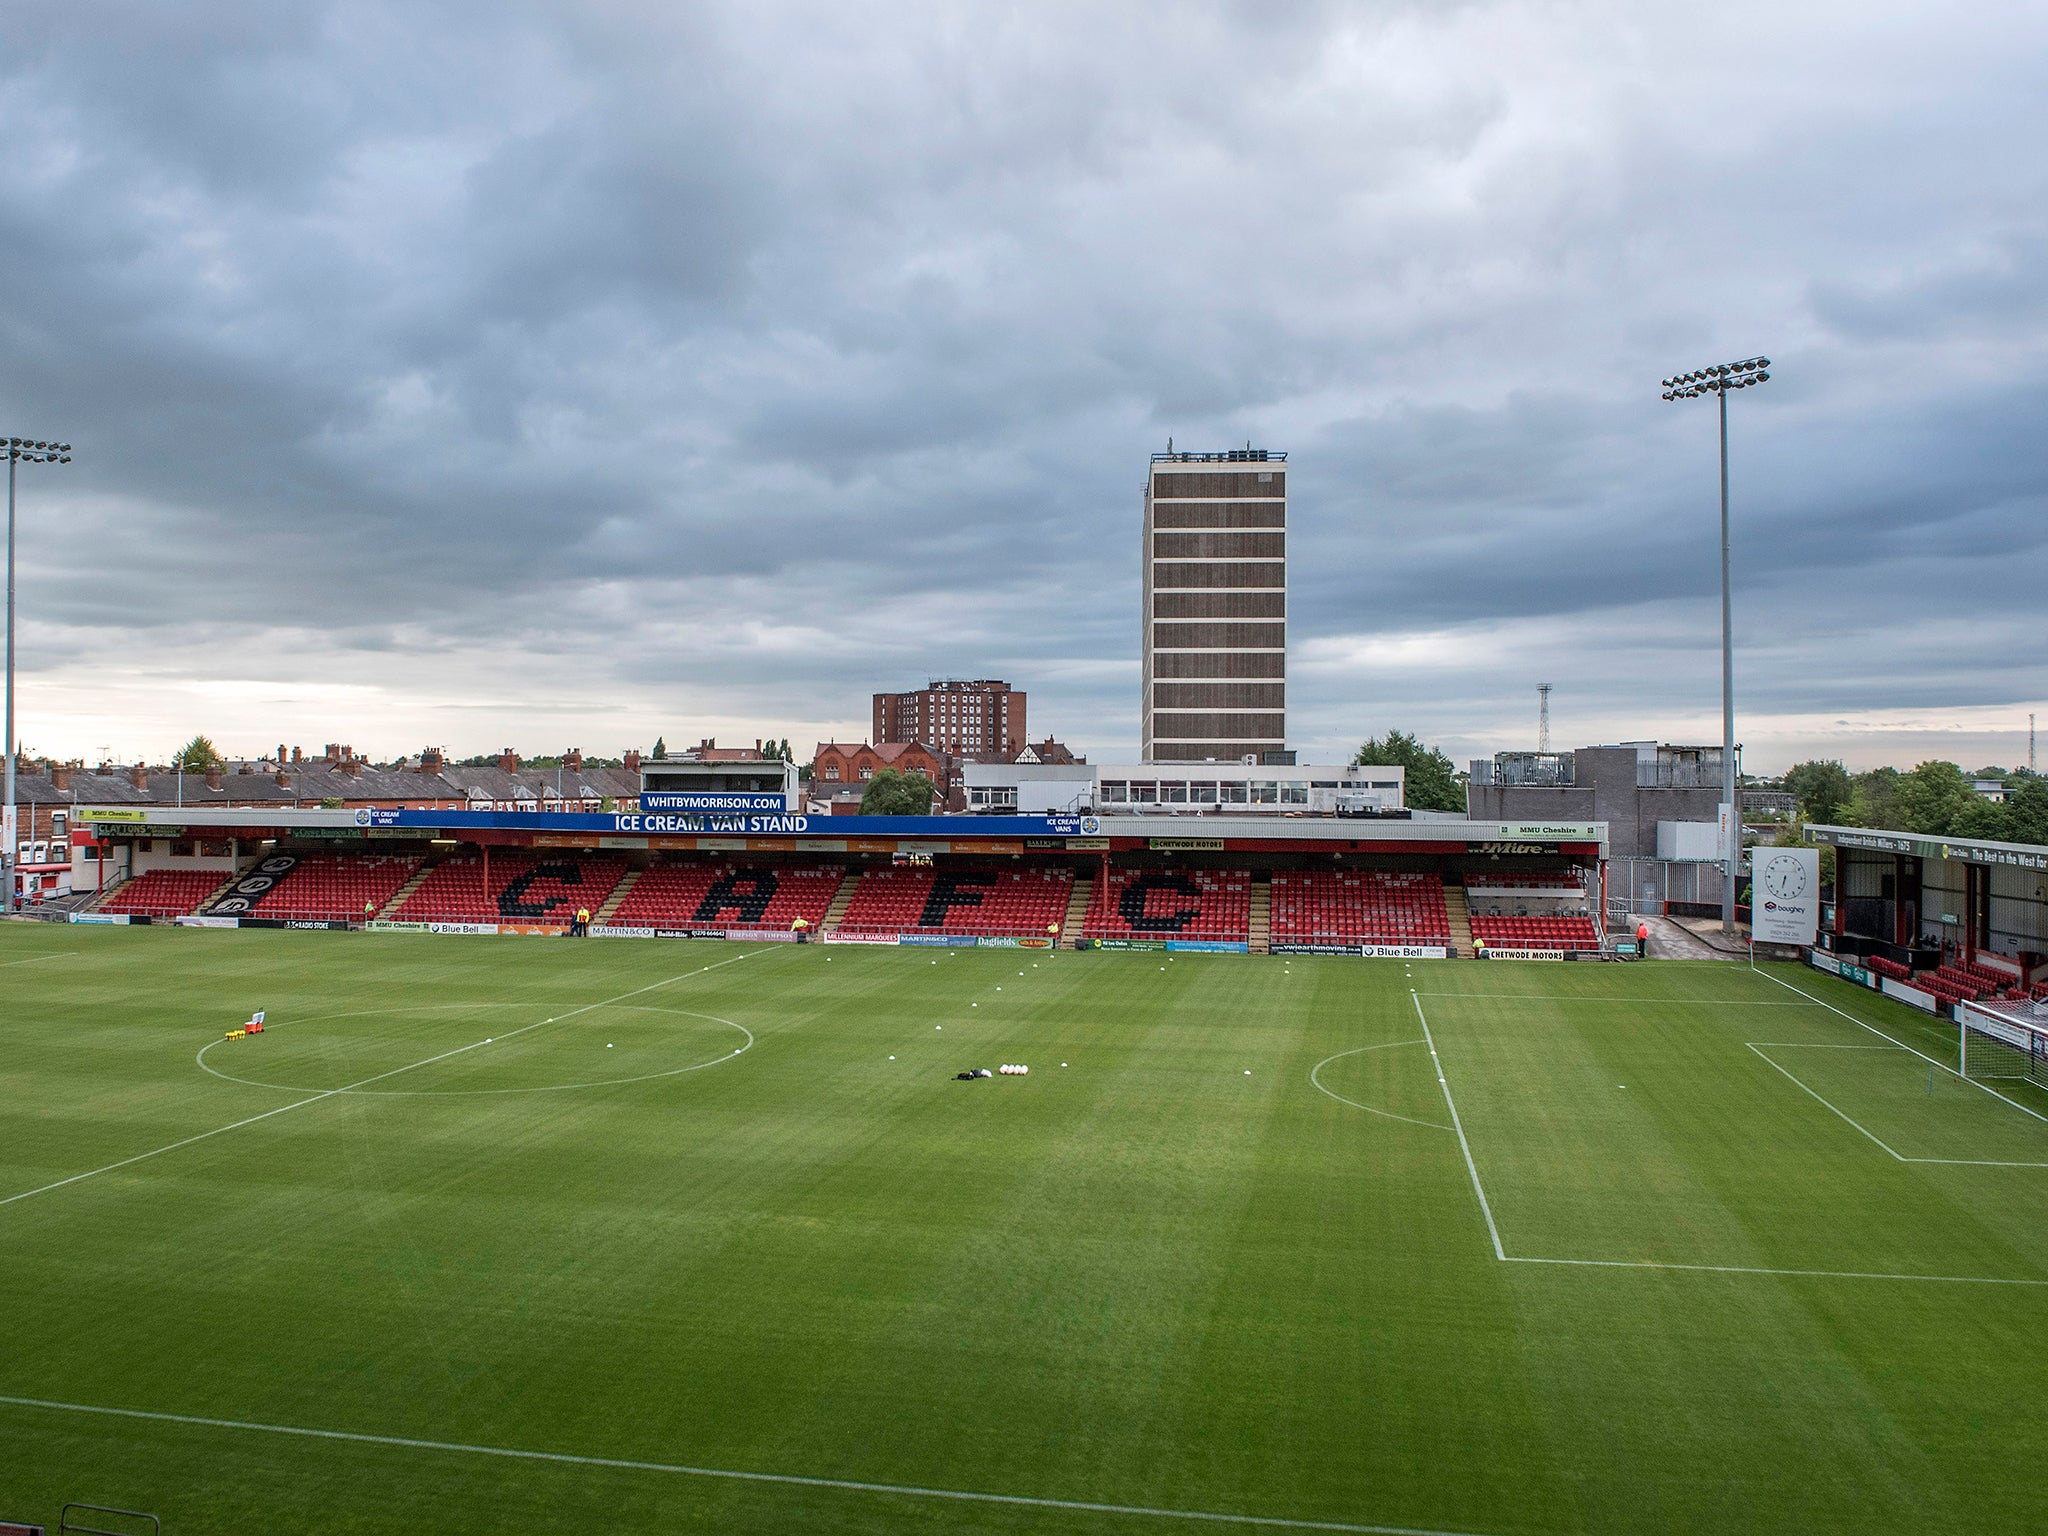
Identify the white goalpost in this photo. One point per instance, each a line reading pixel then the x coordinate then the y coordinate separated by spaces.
pixel 2002 1043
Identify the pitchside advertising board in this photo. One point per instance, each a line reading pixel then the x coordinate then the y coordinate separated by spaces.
pixel 1785 895
pixel 1369 951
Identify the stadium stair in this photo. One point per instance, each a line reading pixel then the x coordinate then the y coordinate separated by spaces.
pixel 620 892
pixel 1460 914
pixel 99 899
pixel 1077 911
pixel 404 892
pixel 1261 914
pixel 840 903
pixel 222 889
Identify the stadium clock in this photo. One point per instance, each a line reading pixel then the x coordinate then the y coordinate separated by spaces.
pixel 1785 877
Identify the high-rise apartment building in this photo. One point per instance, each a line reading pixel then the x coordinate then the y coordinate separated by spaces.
pixel 954 715
pixel 1215 646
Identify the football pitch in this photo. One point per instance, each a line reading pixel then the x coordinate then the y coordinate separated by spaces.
pixel 500 1235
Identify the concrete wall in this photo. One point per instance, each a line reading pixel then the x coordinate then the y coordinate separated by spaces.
pixel 1605 791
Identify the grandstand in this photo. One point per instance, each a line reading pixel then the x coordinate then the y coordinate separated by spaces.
pixel 1537 933
pixel 163 892
pixel 1201 905
pixel 512 886
pixel 1013 903
pixel 335 887
pixel 729 897
pixel 1321 884
pixel 1347 907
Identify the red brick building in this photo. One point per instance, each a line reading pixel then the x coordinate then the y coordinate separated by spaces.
pixel 955 716
pixel 839 766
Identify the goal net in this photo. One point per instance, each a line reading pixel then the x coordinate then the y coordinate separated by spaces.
pixel 2000 1043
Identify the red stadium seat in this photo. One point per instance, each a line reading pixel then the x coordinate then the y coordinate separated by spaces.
pixel 997 903
pixel 1204 904
pixel 1359 907
pixel 761 898
pixel 165 892
pixel 524 887
pixel 335 886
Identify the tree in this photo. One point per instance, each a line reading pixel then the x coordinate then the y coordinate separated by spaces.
pixel 1931 797
pixel 660 749
pixel 197 756
pixel 1870 802
pixel 2029 807
pixel 1823 789
pixel 1433 783
pixel 892 792
pixel 1986 819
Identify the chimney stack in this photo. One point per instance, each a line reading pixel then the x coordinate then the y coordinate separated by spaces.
pixel 573 760
pixel 280 752
pixel 508 761
pixel 431 760
pixel 139 776
pixel 351 765
pixel 297 755
pixel 60 777
pixel 284 778
pixel 213 777
pixel 632 761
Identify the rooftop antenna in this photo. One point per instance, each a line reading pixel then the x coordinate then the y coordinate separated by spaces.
pixel 1543 717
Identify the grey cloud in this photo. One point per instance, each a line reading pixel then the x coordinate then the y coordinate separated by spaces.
pixel 752 358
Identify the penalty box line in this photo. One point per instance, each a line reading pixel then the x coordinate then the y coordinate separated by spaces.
pixel 1805 1087
pixel 1931 1061
pixel 728 1474
pixel 1500 1253
pixel 284 1109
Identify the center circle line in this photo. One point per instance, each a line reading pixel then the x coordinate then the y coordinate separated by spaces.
pixel 1386 1045
pixel 462 1093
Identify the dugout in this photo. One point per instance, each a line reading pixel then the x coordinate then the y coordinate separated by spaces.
pixel 1923 902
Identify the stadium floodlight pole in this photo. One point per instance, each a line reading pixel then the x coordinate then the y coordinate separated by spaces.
pixel 1718 380
pixel 19 450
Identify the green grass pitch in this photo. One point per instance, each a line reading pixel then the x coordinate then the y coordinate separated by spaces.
pixel 1699 1252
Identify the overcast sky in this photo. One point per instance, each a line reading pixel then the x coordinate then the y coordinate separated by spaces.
pixel 556 374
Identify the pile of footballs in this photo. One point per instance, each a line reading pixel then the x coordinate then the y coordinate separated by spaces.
pixel 1013 1071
